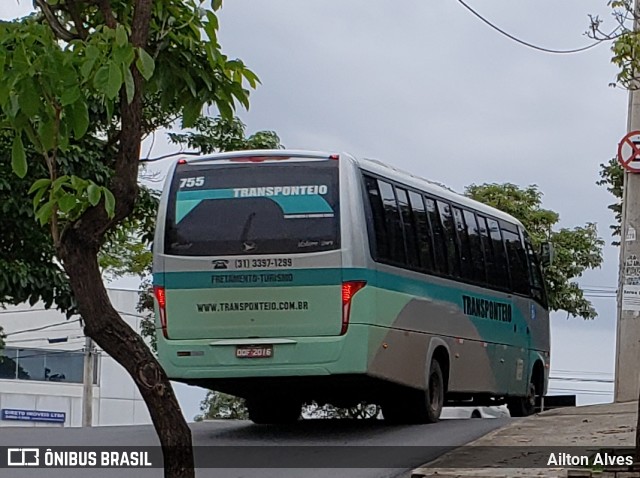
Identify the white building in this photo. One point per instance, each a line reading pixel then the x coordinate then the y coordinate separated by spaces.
pixel 41 370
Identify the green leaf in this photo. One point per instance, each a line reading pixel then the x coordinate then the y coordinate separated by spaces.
pixel 78 183
pixel 109 202
pixel 251 78
pixel 70 95
pixel 47 132
pixel 63 136
pixel 38 197
pixel 58 183
pixel 124 55
pixel 87 68
pixel 224 108
pixel 93 192
pixel 20 61
pixel 191 112
pixel 67 202
pixel 18 157
pixel 145 64
pixel 44 213
pixel 92 53
pixel 128 83
pixel 216 4
pixel 211 26
pixel 115 81
pixel 39 184
pixel 109 108
pixel 121 36
pixel 79 116
pixel 29 98
pixel 101 80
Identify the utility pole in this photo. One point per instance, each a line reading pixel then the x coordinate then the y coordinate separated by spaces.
pixel 87 383
pixel 627 376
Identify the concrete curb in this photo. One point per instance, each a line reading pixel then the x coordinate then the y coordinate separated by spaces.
pixel 491 473
pixel 595 426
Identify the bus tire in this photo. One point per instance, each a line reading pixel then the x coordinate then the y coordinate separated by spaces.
pixel 523 406
pixel 418 406
pixel 274 411
pixel 433 397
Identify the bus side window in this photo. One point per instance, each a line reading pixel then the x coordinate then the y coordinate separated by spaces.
pixel 450 239
pixel 393 223
pixel 410 237
pixel 439 239
pixel 536 280
pixel 379 228
pixel 423 230
pixel 466 265
pixel 475 246
pixel 517 260
pixel 487 249
pixel 500 256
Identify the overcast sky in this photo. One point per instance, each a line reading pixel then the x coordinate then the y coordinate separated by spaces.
pixel 427 87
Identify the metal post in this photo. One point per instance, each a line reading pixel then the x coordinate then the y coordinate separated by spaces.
pixel 87 382
pixel 627 381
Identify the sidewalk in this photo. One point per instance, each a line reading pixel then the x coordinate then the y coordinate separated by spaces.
pixel 593 427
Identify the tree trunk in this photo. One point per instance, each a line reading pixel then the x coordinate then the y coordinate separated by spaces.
pixel 104 325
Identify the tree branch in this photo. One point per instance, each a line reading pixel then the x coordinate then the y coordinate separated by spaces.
pixel 165 156
pixel 141 23
pixel 107 13
pixel 77 19
pixel 61 32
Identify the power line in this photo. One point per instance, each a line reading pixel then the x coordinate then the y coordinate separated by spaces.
pixel 527 44
pixel 22 311
pixel 36 329
pixel 131 315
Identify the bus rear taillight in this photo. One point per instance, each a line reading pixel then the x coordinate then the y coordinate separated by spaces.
pixel 161 297
pixel 349 289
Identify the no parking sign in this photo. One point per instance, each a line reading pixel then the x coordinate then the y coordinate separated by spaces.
pixel 629 152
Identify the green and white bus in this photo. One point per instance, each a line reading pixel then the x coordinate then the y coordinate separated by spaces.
pixel 286 277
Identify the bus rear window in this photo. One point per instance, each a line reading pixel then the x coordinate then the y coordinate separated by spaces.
pixel 253 209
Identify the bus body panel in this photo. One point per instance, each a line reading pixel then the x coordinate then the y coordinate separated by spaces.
pixel 410 312
pixel 255 302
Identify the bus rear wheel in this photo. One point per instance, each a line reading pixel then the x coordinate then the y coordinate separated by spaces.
pixel 523 406
pixel 273 411
pixel 433 398
pixel 419 406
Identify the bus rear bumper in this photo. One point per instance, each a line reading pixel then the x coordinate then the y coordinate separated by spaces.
pixel 185 360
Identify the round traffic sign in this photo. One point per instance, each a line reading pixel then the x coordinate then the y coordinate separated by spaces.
pixel 629 152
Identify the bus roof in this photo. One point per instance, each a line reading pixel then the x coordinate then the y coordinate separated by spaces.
pixel 262 153
pixel 372 165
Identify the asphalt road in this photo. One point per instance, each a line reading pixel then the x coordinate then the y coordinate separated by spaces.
pixel 370 449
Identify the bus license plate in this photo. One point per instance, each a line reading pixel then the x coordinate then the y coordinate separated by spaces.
pixel 254 351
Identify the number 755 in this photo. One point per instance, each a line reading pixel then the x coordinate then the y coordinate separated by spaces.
pixel 192 182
